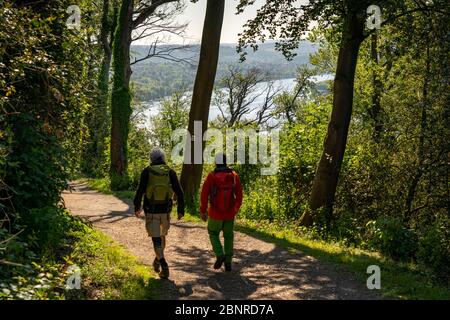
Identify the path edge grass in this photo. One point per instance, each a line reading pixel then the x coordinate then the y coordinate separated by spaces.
pixel 108 271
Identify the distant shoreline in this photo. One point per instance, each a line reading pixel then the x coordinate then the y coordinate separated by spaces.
pixel 151 106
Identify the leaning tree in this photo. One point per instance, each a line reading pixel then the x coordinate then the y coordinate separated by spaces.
pixel 191 173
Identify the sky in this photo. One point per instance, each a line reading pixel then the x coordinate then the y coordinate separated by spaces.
pixel 194 15
pixel 232 24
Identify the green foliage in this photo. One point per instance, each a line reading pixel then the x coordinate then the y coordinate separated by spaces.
pixel 299 151
pixel 284 197
pixel 289 105
pixel 393 186
pixel 119 182
pixel 35 168
pixel 434 248
pixel 34 267
pixel 107 271
pixel 257 205
pixel 97 118
pixel 390 236
pixel 103 185
pixel 392 194
pixel 43 282
pixel 172 114
pixel 46 83
pixel 345 229
pixel 193 205
pixel 48 228
pixel 139 153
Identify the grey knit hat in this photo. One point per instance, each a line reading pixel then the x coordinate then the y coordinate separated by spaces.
pixel 157 155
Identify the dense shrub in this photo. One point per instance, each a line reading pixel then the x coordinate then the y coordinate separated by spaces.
pixel 261 202
pixel 347 229
pixel 300 148
pixel 46 86
pixel 35 167
pixel 49 227
pixel 37 269
pixel 390 236
pixel 434 248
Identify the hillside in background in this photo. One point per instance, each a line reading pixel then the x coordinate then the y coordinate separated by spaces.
pixel 155 78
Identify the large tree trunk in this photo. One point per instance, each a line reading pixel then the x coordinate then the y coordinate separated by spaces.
pixel 204 82
pixel 327 173
pixel 121 98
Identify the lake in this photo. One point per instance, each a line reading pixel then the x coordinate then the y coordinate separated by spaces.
pixel 151 107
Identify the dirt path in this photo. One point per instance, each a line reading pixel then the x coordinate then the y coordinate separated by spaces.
pixel 261 270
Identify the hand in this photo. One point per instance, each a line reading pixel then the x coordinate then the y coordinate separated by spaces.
pixel 180 215
pixel 138 213
pixel 203 216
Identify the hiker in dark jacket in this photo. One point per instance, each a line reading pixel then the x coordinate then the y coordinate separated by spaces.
pixel 222 189
pixel 157 184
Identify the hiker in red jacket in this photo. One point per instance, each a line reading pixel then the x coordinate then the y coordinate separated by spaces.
pixel 223 189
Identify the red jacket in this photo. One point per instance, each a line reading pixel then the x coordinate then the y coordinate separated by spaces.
pixel 212 212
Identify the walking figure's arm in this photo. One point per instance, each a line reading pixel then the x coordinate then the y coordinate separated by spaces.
pixel 178 192
pixel 143 181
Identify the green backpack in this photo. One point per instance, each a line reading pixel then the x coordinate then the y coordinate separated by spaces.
pixel 159 189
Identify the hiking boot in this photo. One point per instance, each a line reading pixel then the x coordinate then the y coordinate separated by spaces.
pixel 219 261
pixel 227 266
pixel 164 273
pixel 156 265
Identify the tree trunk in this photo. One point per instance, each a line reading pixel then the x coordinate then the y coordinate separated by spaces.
pixel 107 31
pixel 327 173
pixel 121 98
pixel 204 82
pixel 421 148
pixel 100 122
pixel 375 111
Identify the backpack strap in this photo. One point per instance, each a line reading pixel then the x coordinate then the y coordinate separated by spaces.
pixel 233 186
pixel 214 190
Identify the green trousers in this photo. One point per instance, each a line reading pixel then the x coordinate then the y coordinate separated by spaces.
pixel 214 228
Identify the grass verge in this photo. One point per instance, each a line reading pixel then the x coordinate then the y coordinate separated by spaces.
pixel 398 280
pixel 56 249
pixel 108 271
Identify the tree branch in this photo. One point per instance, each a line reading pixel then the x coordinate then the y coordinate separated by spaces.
pixel 147 12
pixel 165 53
